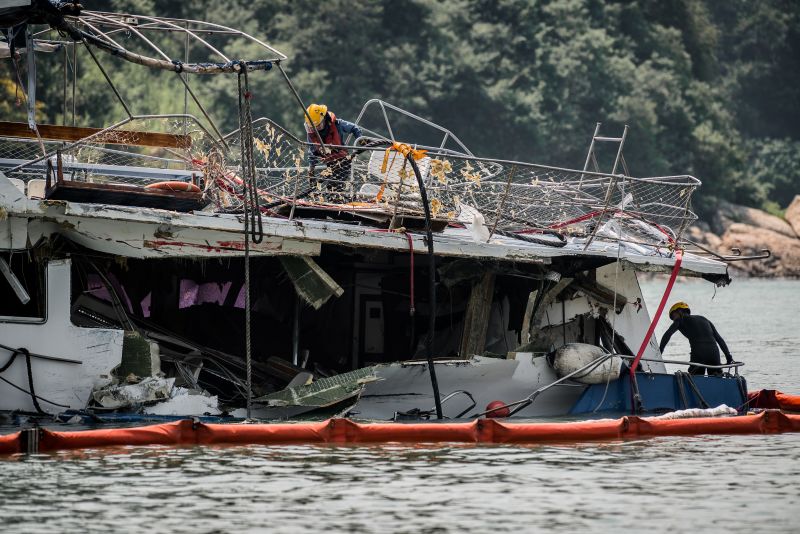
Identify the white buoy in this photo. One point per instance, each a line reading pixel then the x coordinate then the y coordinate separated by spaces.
pixel 574 356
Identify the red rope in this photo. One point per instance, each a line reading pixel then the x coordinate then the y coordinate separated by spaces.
pixel 411 277
pixel 410 240
pixel 590 215
pixel 664 297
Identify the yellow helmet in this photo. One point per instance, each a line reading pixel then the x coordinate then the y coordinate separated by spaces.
pixel 317 113
pixel 678 306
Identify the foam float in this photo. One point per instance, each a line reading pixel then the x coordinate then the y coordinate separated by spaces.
pixel 345 431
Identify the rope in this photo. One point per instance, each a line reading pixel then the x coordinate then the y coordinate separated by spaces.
pixel 252 216
pixel 246 136
pixel 646 340
pixel 681 391
pixel 411 308
pixel 695 389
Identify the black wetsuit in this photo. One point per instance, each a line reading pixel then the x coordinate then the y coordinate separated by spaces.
pixel 703 339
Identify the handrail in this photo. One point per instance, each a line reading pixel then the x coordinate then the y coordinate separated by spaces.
pixel 383 105
pixel 92 138
pixel 527 401
pixel 735 365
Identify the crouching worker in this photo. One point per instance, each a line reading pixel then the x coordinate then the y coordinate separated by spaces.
pixel 332 131
pixel 703 339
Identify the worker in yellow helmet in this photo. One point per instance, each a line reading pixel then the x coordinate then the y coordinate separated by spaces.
pixel 322 124
pixel 703 339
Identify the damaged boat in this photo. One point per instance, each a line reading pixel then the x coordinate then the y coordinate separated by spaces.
pixel 156 266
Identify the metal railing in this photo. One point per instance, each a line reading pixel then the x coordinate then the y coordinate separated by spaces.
pixel 510 195
pixel 527 401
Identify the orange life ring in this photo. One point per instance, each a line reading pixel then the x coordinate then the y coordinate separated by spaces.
pixel 174 186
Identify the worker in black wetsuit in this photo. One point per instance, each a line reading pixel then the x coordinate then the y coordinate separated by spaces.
pixel 703 339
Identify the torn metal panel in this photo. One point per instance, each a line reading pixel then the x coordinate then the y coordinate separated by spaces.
pixel 311 282
pixel 323 392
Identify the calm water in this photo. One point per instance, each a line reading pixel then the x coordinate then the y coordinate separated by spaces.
pixel 709 484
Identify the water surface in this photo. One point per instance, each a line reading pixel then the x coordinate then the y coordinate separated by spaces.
pixel 678 484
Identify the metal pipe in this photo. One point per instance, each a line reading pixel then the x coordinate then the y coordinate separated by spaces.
pixel 110 83
pixel 64 109
pixel 296 331
pixel 201 29
pixel 74 77
pixel 300 101
pixel 203 110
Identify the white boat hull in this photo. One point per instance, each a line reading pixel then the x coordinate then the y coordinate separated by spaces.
pixel 69 385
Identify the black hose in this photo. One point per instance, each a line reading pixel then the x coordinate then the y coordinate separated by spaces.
pixel 30 381
pixel 31 391
pixel 431 286
pixel 562 241
pixel 13 357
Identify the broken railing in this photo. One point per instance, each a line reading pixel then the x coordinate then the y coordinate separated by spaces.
pixel 504 196
pixel 140 150
pixel 496 196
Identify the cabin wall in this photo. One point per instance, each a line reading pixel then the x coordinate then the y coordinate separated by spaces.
pixel 98 350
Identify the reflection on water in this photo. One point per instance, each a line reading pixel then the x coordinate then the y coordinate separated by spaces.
pixel 707 483
pixel 718 483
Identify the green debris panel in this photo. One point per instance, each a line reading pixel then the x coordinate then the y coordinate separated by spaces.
pixel 322 392
pixel 311 282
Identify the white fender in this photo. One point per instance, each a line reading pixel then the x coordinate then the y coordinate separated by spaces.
pixel 573 356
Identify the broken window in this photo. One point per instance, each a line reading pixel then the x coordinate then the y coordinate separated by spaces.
pixel 22 287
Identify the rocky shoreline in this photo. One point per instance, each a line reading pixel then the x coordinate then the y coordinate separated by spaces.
pixel 752 230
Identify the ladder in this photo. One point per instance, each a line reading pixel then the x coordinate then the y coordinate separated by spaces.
pixel 591 157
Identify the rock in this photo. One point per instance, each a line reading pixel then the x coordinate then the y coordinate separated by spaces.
pixel 728 214
pixel 785 259
pixel 713 240
pixel 793 214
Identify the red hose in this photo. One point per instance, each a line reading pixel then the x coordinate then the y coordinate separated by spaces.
pixel 664 297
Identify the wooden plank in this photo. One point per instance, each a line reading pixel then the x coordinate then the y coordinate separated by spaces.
pixel 52 132
pixel 476 320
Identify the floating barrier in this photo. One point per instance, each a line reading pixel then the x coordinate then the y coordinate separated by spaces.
pixel 769 399
pixel 345 431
